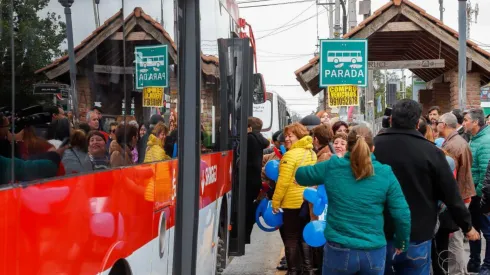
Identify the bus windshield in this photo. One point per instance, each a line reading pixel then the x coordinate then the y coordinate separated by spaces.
pixel 264 112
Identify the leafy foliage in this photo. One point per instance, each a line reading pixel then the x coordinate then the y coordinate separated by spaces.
pixel 38 36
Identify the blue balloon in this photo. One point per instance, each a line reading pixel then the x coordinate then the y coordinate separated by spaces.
pixel 313 233
pixel 272 169
pixel 283 149
pixel 271 219
pixel 318 207
pixel 318 197
pixel 310 194
pixel 261 209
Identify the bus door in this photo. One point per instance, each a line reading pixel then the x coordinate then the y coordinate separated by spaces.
pixel 236 82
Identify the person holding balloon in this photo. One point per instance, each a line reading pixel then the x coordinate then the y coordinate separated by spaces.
pixel 359 188
pixel 288 198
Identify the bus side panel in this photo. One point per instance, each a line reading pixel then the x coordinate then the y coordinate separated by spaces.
pixel 72 225
pixel 9 231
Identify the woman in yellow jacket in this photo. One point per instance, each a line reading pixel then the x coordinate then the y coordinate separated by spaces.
pixel 155 189
pixel 154 149
pixel 288 195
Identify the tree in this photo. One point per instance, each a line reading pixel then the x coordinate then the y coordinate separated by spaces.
pixel 407 94
pixel 37 41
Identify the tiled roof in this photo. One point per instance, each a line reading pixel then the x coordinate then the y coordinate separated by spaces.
pixel 380 11
pixel 137 12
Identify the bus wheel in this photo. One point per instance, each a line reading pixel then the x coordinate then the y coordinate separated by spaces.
pixel 336 60
pixel 220 257
pixel 354 61
pixel 121 267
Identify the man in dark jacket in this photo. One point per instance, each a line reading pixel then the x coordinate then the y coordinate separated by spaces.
pixel 425 178
pixel 256 143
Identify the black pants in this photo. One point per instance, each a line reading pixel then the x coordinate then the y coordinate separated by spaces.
pixel 297 250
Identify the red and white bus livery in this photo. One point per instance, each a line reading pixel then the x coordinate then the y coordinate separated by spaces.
pixel 122 220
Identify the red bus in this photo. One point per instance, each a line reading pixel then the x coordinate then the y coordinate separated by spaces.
pixel 121 220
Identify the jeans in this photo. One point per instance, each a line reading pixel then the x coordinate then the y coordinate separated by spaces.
pixel 415 261
pixel 340 260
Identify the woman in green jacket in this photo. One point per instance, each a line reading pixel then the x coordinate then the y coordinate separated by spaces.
pixel 359 188
pixel 44 166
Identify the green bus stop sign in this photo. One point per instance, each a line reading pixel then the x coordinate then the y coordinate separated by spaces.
pixel 343 62
pixel 151 66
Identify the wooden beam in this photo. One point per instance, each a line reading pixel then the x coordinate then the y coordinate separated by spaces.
pixel 406 64
pixel 86 49
pixel 401 27
pixel 104 69
pixel 441 34
pixel 132 36
pixel 158 35
pixel 377 23
pixel 311 73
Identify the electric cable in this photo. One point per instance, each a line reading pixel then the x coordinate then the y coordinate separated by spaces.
pixel 276 4
pixel 301 13
pixel 283 30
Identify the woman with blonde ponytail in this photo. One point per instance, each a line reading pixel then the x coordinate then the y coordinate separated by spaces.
pixel 358 188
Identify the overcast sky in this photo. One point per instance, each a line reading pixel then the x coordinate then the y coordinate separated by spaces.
pixel 281 54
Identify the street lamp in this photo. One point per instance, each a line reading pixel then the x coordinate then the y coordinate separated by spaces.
pixel 66 3
pixel 71 59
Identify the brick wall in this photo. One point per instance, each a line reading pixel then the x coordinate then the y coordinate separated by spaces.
pixel 472 89
pixel 441 96
pixel 84 97
pixel 426 98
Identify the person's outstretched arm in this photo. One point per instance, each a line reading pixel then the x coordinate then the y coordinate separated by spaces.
pixel 312 175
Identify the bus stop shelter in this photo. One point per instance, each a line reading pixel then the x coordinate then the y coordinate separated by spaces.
pixel 401 35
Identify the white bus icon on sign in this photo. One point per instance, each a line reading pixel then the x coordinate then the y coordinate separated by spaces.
pixel 151 61
pixel 344 56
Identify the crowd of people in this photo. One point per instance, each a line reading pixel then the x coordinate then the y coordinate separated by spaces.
pixel 65 148
pixel 401 201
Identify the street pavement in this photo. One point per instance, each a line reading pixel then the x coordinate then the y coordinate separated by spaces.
pixel 261 256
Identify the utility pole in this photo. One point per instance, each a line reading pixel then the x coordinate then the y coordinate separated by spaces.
pixel 462 53
pixel 337 28
pixel 441 9
pixel 352 14
pixel 71 59
pixel 470 11
pixel 330 19
pixel 161 14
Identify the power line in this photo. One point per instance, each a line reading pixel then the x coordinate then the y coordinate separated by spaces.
pixel 297 24
pixel 283 85
pixel 275 4
pixel 279 60
pixel 301 13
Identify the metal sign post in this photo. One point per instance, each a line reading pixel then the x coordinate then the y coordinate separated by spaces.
pixel 462 54
pixel 343 62
pixel 189 153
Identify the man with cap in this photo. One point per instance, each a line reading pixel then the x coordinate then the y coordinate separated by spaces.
pixel 144 140
pixel 310 121
pixel 275 142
